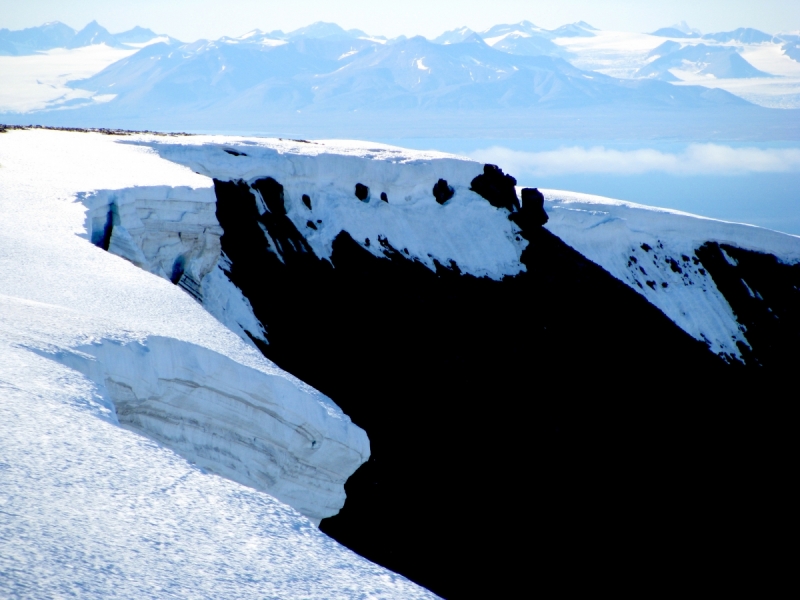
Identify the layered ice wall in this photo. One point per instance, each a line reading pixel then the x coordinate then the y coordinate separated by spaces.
pixel 253 428
pixel 170 232
pixel 93 510
pixel 164 366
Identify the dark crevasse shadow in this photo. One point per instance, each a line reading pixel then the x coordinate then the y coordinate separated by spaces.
pixel 523 431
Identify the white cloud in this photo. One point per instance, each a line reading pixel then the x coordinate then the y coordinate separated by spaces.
pixel 697 159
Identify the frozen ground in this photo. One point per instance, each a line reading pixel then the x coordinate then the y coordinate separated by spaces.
pixel 94 509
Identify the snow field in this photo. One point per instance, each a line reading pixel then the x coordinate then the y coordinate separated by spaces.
pixel 39 81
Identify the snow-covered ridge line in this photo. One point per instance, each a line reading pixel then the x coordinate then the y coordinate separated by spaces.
pixel 653 251
pixel 399 206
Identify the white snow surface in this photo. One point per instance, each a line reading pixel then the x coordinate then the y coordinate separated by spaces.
pixel 39 81
pixel 91 510
pixel 161 364
pixel 610 232
pixel 466 229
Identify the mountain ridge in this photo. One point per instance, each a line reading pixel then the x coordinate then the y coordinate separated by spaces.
pixel 58 35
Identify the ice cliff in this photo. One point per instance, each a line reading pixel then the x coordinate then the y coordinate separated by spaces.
pixel 400 212
pixel 164 365
pixel 466 324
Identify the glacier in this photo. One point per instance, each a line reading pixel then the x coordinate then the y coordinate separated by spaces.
pixel 91 342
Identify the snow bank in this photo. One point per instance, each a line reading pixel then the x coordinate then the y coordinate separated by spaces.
pixel 653 251
pixel 156 355
pixel 466 229
pixel 92 510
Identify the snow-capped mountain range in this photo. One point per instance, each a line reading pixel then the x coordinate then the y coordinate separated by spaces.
pixel 324 68
pixel 260 307
pixel 57 35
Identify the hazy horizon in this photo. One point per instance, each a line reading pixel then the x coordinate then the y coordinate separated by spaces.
pixel 190 20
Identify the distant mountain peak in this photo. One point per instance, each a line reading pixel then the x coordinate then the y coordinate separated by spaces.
pixel 474 38
pixel 454 36
pixel 93 34
pixel 684 27
pixel 578 29
pixel 672 32
pixel 525 27
pixel 136 35
pixel 324 29
pixel 746 35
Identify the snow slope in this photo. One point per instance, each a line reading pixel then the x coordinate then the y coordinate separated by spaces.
pixel 162 364
pixel 94 511
pixel 653 251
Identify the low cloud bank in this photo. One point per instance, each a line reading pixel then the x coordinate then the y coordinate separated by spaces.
pixel 697 159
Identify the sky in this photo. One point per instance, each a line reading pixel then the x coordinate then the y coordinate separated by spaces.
pixel 189 20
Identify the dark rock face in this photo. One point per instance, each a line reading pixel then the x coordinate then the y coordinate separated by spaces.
pixel 442 192
pixel 765 297
pixel 362 192
pixel 531 214
pixel 525 410
pixel 498 188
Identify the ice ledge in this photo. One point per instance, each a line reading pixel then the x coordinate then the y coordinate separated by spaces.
pixel 256 429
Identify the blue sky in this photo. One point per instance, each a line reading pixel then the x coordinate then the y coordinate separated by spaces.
pixel 192 19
